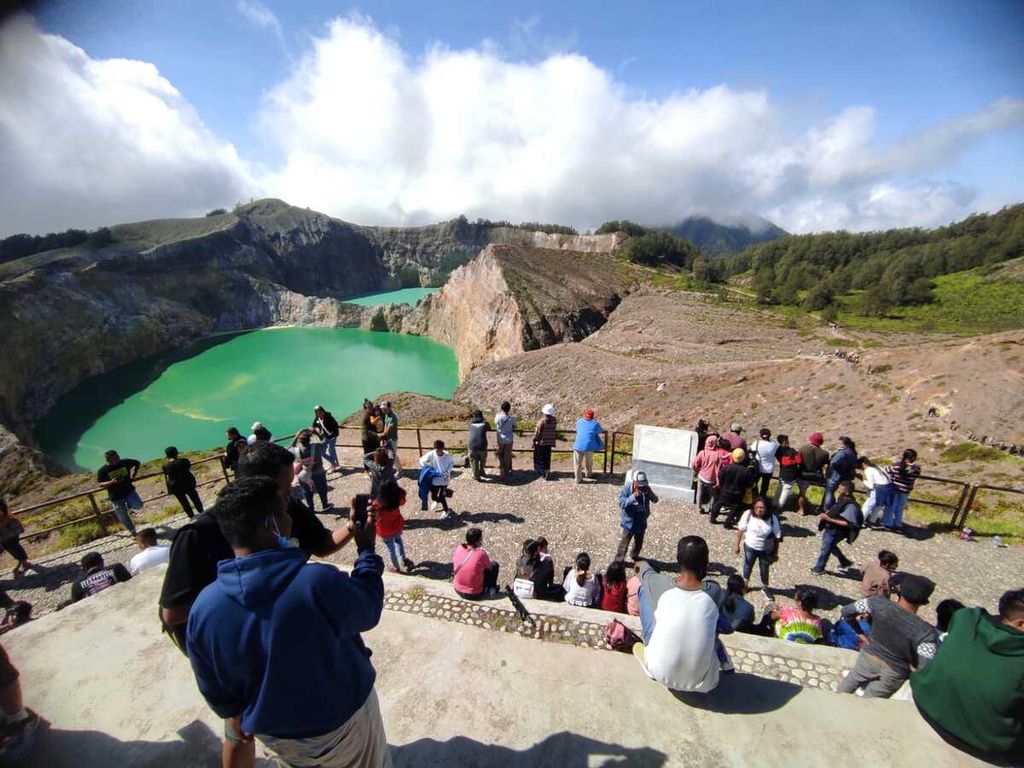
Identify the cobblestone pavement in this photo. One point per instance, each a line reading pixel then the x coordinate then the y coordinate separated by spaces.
pixel 585 517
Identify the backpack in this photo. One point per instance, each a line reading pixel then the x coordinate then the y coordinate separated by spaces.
pixel 619 636
pixel 853 531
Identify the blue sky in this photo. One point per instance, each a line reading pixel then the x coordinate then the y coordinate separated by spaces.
pixel 797 71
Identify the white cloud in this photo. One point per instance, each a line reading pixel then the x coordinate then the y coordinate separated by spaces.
pixel 371 134
pixel 261 16
pixel 86 142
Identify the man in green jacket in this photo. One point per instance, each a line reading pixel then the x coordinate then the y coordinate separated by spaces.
pixel 972 693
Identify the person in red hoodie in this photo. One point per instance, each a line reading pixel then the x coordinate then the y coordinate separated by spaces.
pixel 390 524
pixel 613 588
pixel 705 465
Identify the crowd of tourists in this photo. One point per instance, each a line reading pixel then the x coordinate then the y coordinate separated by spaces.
pixel 268 633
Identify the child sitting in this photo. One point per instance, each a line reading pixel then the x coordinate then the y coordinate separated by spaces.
pixel 580 587
pixel 390 524
pixel 736 608
pixel 633 592
pixel 798 623
pixel 878 576
pixel 613 588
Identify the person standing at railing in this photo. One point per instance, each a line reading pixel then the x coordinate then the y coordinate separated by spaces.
pixel 181 483
pixel 10 542
pixel 259 432
pixel 325 427
pixel 389 433
pixel 902 474
pixel 310 456
pixel 116 476
pixel 588 440
pixel 477 444
pixel 234 449
pixel 505 425
pixel 369 434
pixel 545 435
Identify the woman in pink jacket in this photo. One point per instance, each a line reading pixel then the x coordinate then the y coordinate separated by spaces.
pixel 706 464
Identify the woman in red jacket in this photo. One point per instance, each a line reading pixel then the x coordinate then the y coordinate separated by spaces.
pixel 390 524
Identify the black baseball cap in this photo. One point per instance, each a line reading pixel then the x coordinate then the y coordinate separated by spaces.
pixel 915 589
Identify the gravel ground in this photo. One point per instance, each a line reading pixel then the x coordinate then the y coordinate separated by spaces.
pixel 585 517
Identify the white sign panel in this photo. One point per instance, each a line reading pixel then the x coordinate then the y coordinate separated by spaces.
pixel 665 455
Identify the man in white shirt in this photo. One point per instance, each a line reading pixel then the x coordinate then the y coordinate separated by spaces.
pixel 679 622
pixel 441 462
pixel 150 553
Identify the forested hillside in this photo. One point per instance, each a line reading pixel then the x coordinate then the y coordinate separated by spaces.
pixel 895 268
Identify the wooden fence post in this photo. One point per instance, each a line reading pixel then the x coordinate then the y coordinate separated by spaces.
pixel 419 442
pixel 604 462
pixel 97 513
pixel 611 468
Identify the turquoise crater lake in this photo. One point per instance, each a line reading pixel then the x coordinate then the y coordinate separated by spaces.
pixel 276 376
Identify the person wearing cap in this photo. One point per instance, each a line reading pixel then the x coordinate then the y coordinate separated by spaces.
pixel 635 502
pixel 259 432
pixel 813 459
pixel 544 437
pixel 325 427
pixel 588 440
pixel 735 436
pixel 901 641
pixel 735 479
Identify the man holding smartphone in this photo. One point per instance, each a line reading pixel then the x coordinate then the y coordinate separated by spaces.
pixel 275 641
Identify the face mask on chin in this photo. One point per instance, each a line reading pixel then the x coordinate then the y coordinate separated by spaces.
pixel 283 542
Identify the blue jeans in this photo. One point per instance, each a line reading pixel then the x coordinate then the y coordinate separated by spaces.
pixel 830 539
pixel 331 451
pixel 894 512
pixel 879 501
pixel 763 560
pixel 830 494
pixel 396 549
pixel 121 507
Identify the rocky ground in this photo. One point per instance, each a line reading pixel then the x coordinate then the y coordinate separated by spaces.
pixel 584 517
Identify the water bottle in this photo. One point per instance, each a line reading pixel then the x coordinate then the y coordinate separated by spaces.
pixel 997 541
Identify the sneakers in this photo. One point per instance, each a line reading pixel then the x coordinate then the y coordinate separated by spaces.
pixel 409 564
pixel 392 569
pixel 818 571
pixel 767 594
pixel 639 653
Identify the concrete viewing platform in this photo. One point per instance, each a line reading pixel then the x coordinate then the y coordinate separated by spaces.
pixel 117 693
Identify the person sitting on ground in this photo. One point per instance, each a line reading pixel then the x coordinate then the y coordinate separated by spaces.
pixel 633 591
pixel 944 612
pixel 275 643
pixel 635 502
pixel 798 623
pixel 390 524
pixel 198 547
pixel 150 553
pixel 477 444
pixel 439 466
pixel 971 693
pixel 880 491
pixel 581 587
pixel 900 639
pixel 842 522
pixel 790 463
pixel 19 723
pixel 878 575
pixel 475 574
pixel 505 426
pixel 902 474
pixel 761 536
pixel 311 456
pixel 259 434
pixel 545 435
pixel 180 482
pixel 735 480
pixel 814 460
pixel 680 623
pixel 233 450
pixel 736 608
pixel 542 549
pixel 535 573
pixel 613 587
pixel 705 466
pixel 326 428
pixel 97 577
pixel 762 452
pixel 588 441
pixel 116 476
pixel 735 438
pixel 11 530
pixel 379 469
pixel 842 466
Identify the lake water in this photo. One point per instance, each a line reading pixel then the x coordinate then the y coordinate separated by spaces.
pixel 276 376
pixel 403 296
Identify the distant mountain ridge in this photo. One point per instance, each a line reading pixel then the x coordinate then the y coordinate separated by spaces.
pixel 717 239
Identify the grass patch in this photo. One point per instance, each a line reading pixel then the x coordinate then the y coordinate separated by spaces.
pixel 416 593
pixel 969 451
pixel 999 517
pixel 79 534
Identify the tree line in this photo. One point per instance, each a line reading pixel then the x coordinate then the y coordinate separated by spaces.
pixel 20 246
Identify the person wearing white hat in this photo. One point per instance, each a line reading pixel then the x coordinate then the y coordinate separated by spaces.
pixel 544 437
pixel 259 432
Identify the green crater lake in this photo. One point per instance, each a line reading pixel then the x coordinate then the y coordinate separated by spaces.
pixel 402 296
pixel 189 397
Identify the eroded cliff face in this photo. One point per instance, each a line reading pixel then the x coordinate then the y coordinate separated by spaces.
pixel 510 299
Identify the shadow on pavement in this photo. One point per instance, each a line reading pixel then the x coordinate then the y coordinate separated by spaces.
pixel 564 750
pixel 827 599
pixel 742 694
pixel 199 747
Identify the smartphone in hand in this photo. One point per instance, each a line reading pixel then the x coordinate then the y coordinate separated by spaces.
pixel 362 507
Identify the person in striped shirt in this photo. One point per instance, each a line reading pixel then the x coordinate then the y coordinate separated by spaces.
pixel 902 475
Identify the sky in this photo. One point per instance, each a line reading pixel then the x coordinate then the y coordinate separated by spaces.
pixel 816 116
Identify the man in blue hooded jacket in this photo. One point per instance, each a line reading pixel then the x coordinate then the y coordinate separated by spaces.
pixel 275 641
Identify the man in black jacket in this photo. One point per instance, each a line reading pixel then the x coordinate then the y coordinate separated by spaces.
pixel 325 427
pixel 181 483
pixel 733 482
pixel 841 522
